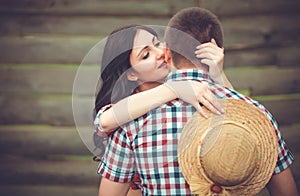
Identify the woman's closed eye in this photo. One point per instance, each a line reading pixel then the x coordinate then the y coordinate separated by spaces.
pixel 146 55
pixel 147 52
pixel 157 44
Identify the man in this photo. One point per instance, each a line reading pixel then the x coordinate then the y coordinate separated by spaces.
pixel 148 145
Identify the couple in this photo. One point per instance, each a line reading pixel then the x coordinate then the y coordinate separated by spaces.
pixel 147 146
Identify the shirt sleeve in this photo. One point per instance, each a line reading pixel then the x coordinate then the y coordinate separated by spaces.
pixel 97 125
pixel 118 163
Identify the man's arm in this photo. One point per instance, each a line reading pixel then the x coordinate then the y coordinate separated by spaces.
pixel 283 184
pixel 111 188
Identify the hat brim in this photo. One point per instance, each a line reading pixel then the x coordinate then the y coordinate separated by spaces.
pixel 241 112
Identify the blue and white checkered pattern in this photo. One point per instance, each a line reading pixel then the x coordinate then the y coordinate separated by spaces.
pixel 148 144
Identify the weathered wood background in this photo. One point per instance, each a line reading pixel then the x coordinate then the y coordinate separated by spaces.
pixel 42 44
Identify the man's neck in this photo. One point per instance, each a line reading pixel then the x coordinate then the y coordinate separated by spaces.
pixel 192 66
pixel 189 65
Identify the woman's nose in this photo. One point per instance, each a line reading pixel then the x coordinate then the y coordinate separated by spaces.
pixel 162 45
pixel 160 52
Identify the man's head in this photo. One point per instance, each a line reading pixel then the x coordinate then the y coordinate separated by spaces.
pixel 189 28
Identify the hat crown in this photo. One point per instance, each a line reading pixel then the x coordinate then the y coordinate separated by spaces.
pixel 246 144
pixel 232 156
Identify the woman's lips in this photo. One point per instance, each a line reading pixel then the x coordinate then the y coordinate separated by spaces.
pixel 162 65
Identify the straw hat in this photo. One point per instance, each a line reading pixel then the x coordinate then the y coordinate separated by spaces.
pixel 230 154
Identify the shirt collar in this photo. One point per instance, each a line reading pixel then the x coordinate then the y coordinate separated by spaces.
pixel 188 74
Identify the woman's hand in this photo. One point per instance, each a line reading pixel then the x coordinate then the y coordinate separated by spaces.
pixel 213 56
pixel 194 92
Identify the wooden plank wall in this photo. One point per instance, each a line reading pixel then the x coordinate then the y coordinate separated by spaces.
pixel 42 44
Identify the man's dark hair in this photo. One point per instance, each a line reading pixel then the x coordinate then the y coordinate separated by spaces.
pixel 189 28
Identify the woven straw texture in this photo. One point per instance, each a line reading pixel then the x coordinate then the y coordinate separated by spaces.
pixel 237 150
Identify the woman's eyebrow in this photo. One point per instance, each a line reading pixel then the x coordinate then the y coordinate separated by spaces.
pixel 145 47
pixel 153 39
pixel 142 50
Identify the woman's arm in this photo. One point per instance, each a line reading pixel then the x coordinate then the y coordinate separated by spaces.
pixel 213 56
pixel 136 106
pixel 139 104
pixel 133 107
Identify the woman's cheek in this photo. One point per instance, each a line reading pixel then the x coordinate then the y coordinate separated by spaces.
pixel 146 68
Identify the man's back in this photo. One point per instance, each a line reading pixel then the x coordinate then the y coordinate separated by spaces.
pixel 150 142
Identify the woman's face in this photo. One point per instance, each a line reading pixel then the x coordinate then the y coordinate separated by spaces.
pixel 147 58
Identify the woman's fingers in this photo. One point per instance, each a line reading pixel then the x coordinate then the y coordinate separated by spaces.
pixel 209 100
pixel 208 62
pixel 209 47
pixel 207 55
pixel 204 45
pixel 200 110
pixel 213 41
pixel 195 92
pixel 213 103
pixel 210 53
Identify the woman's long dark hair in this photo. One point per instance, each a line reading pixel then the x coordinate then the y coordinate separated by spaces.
pixel 115 63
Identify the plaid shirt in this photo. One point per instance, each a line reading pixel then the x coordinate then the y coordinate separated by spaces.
pixel 148 144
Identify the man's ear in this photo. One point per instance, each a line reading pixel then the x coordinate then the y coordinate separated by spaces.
pixel 131 76
pixel 168 55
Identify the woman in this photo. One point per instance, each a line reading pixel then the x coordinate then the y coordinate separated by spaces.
pixel 129 76
pixel 139 66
